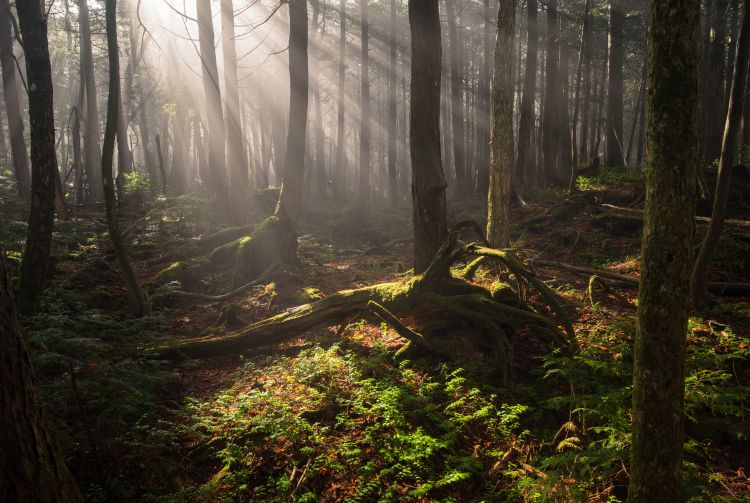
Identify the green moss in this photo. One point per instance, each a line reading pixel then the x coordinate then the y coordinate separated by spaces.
pixel 173 272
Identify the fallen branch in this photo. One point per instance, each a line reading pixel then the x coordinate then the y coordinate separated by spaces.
pixel 745 224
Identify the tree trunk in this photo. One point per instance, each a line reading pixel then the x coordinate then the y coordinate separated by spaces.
pixel 32 468
pixel 615 139
pixel 290 198
pixel 576 100
pixel 393 192
pixel 428 180
pixel 501 163
pixel 483 122
pixel 135 301
pixel 217 180
pixel 43 157
pixel 364 107
pixel 11 94
pixel 712 103
pixel 528 104
pixel 667 252
pixel 457 98
pixel 340 138
pixel 550 117
pixel 92 150
pixel 699 279
pixel 236 161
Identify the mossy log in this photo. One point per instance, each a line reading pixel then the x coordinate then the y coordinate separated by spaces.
pixel 432 294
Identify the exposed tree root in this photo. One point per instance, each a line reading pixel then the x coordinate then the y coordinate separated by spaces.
pixel 433 294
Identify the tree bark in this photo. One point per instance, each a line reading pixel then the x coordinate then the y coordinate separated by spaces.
pixel 364 106
pixel 501 161
pixel 217 180
pixel 92 151
pixel 699 279
pixel 33 274
pixel 393 192
pixel 340 137
pixel 457 98
pixel 615 56
pixel 576 100
pixel 11 94
pixel 483 123
pixel 290 198
pixel 236 160
pixel 135 300
pixel 528 103
pixel 667 252
pixel 428 180
pixel 32 468
pixel 551 115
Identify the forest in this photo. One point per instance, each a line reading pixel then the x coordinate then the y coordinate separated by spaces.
pixel 374 250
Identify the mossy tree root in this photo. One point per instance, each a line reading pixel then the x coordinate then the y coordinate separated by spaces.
pixel 425 296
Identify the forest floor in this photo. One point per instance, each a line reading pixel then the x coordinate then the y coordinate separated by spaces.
pixel 342 413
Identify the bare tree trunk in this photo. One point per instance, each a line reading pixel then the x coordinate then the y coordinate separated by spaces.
pixel 666 254
pixel 364 101
pixel 576 99
pixel 32 468
pixel 35 262
pixel 615 139
pixel 483 150
pixel 11 94
pixel 498 213
pixel 290 199
pixel 340 139
pixel 217 180
pixel 393 192
pixel 551 115
pixel 528 103
pixel 699 279
pixel 457 98
pixel 428 180
pixel 91 136
pixel 135 300
pixel 235 147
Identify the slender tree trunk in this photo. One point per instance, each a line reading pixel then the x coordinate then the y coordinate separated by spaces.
pixel 364 129
pixel 340 138
pixel 550 117
pixel 583 154
pixel 290 199
pixel 217 180
pixel 642 130
pixel 615 139
pixel 699 279
pixel 135 301
pixel 667 253
pixel 32 468
pixel 11 94
pixel 3 145
pixel 393 192
pixel 636 114
pixel 576 100
pixel 92 150
pixel 457 98
pixel 483 122
pixel 33 275
pixel 498 213
pixel 712 105
pixel 428 180
pixel 528 104
pixel 235 147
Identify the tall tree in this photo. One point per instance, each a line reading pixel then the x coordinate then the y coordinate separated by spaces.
pixel 217 180
pixel 713 74
pixel 135 300
pixel 528 103
pixel 615 57
pixel 667 252
pixel 11 94
pixel 428 180
pixel 236 160
pixel 699 279
pixel 32 468
pixel 501 161
pixel 340 136
pixel 552 102
pixel 33 24
pixel 92 151
pixel 457 97
pixel 364 107
pixel 393 192
pixel 576 99
pixel 290 199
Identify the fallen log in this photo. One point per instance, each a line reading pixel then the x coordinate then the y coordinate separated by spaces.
pixel 715 287
pixel 743 224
